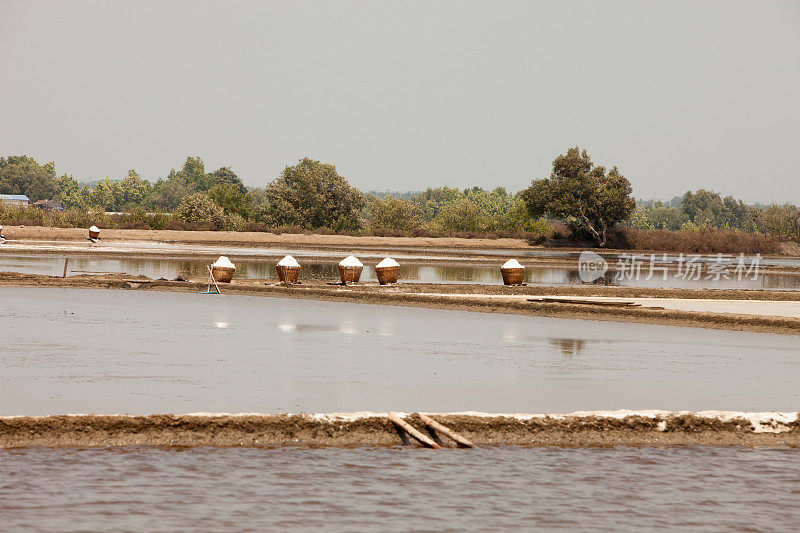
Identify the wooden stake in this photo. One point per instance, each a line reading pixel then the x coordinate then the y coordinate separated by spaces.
pixel 64 275
pixel 431 423
pixel 408 428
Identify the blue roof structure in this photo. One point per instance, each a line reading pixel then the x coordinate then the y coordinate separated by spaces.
pixel 21 197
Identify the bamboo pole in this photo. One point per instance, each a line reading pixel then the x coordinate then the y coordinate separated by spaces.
pixel 64 275
pixel 408 428
pixel 211 273
pixel 461 441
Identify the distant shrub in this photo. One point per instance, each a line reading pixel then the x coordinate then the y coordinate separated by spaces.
pixel 199 209
pixel 702 240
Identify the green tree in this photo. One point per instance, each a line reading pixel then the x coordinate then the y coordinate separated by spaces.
pixel 780 221
pixel 230 198
pixel 131 191
pixel 225 176
pixel 104 195
pixel 462 216
pixel 392 214
pixel 577 188
pixel 430 202
pixel 23 175
pixel 167 194
pixel 71 193
pixel 199 208
pixel 312 195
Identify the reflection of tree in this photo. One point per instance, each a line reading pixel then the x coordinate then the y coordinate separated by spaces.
pixel 462 273
pixel 568 347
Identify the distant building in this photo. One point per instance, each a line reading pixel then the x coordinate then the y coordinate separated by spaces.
pixel 48 205
pixel 14 199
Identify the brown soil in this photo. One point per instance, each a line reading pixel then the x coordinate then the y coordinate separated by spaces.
pixel 39 233
pixel 283 429
pixel 299 240
pixel 442 297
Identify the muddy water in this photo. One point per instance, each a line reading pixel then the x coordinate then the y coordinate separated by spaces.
pixel 90 351
pixel 394 489
pixel 409 272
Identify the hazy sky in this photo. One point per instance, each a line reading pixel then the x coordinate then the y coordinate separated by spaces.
pixel 406 95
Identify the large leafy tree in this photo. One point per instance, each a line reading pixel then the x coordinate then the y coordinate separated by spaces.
pixel 230 198
pixel 392 213
pixel 312 195
pixel 576 188
pixel 21 174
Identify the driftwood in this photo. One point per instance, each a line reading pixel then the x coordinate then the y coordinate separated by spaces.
pixel 433 424
pixel 408 428
pixel 583 302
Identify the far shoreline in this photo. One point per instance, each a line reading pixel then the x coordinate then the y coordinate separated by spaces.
pixel 332 242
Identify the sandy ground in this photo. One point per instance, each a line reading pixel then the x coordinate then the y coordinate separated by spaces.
pixel 38 233
pixel 472 298
pixel 322 242
pixel 576 429
pixel 741 307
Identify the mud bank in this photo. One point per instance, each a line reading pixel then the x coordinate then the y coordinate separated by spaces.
pixel 452 247
pixel 255 239
pixel 627 428
pixel 466 298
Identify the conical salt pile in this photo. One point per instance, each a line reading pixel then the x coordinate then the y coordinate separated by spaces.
pixel 350 269
pixel 387 271
pixel 222 269
pixel 513 273
pixel 288 269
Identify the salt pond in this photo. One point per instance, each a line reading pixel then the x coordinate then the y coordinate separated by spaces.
pixel 391 489
pixel 410 271
pixel 105 351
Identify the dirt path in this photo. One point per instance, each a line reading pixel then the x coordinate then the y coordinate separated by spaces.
pixel 39 233
pixel 653 428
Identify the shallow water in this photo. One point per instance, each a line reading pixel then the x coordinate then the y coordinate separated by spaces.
pixel 396 489
pixel 108 351
pixel 410 272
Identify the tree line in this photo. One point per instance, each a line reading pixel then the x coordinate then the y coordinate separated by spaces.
pixel 580 199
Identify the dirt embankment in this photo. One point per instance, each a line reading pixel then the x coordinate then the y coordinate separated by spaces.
pixel 453 297
pixel 377 430
pixel 302 240
pixel 255 239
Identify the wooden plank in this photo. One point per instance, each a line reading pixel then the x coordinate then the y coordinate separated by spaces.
pixel 441 428
pixel 408 428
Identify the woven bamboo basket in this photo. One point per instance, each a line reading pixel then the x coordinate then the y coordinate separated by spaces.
pixel 513 276
pixel 288 274
pixel 350 274
pixel 222 274
pixel 94 234
pixel 387 274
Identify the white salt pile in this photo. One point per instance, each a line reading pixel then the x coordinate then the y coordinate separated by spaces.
pixel 388 262
pixel 223 262
pixel 512 263
pixel 94 228
pixel 350 261
pixel 289 261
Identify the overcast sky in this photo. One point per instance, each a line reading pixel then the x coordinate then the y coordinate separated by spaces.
pixel 406 95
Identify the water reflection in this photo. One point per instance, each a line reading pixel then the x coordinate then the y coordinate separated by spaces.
pixel 568 347
pixel 170 268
